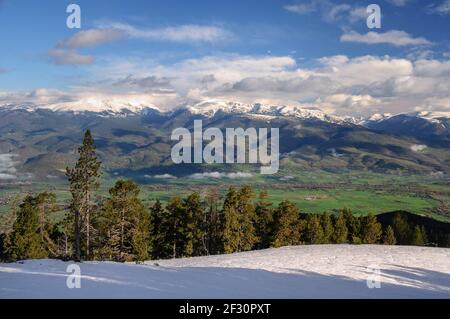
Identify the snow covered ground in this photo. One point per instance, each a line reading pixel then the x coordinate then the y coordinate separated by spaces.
pixel 317 271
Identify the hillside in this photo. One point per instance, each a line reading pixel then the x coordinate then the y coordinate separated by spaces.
pixel 40 142
pixel 317 271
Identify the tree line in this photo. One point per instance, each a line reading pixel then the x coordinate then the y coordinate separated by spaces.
pixel 122 228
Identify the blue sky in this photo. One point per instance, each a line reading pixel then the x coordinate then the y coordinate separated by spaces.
pixel 316 53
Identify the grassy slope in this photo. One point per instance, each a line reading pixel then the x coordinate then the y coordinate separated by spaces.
pixel 360 191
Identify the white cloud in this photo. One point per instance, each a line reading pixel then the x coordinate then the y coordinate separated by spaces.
pixel 65 51
pixel 342 102
pixel 91 38
pixel 399 3
pixel 443 8
pixel 337 84
pixel 300 8
pixel 61 56
pixel 329 11
pixel 393 37
pixel 182 33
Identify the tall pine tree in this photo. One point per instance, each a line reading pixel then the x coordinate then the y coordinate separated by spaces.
pixel 125 225
pixel 340 229
pixel 156 231
pixel 231 227
pixel 25 241
pixel 264 220
pixel 328 228
pixel 196 223
pixel 83 179
pixel 173 229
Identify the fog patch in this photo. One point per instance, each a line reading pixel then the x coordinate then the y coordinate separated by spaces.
pixel 7 166
pixel 418 147
pixel 161 176
pixel 219 175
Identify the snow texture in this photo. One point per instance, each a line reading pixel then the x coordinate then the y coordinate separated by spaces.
pixel 316 271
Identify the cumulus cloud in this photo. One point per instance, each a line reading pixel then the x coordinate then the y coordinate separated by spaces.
pixel 393 37
pixel 340 85
pixel 7 166
pixel 61 56
pixel 219 175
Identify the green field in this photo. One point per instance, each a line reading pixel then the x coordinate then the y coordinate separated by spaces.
pixel 312 192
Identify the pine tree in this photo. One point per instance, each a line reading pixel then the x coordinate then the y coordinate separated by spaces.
pixel 247 218
pixel 83 181
pixel 213 221
pixel 25 241
pixel 353 226
pixel 286 226
pixel 231 224
pixel 313 231
pixel 264 221
pixel 340 229
pixel 156 234
pixel 238 218
pixel 46 204
pixel 419 237
pixel 402 229
pixel 327 227
pixel 125 224
pixel 371 230
pixel 173 228
pixel 389 236
pixel 63 236
pixel 196 220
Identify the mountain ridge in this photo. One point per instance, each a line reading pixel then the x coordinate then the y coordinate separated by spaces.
pixel 209 108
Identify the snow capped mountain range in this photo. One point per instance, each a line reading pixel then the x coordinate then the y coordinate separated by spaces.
pixel 92 104
pixel 209 108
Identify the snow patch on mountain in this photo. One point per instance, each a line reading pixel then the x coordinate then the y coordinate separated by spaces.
pixel 100 105
pixel 210 108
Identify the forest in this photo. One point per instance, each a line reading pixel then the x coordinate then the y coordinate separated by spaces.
pixel 121 228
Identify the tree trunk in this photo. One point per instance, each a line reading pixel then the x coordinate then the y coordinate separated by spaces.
pixel 77 236
pixel 66 250
pixel 87 233
pixel 42 220
pixel 174 250
pixel 122 231
pixel 88 224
